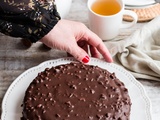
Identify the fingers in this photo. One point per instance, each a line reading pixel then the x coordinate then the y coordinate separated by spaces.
pixel 89 48
pixel 79 53
pixel 83 44
pixel 94 52
pixel 96 42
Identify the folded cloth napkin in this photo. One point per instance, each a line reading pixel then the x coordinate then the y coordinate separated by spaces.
pixel 140 52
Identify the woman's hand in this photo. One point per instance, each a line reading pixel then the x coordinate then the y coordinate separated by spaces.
pixel 76 39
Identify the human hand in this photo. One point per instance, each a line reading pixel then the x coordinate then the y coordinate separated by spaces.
pixel 76 39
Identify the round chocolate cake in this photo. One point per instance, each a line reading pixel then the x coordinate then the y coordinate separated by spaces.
pixel 75 91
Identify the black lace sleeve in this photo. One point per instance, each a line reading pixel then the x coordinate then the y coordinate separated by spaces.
pixel 30 19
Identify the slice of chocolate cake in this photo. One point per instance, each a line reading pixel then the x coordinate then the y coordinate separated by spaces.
pixel 75 91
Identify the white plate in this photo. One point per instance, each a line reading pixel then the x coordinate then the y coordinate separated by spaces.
pixel 11 105
pixel 138 7
pixel 139 2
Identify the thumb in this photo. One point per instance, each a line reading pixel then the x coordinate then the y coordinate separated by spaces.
pixel 80 54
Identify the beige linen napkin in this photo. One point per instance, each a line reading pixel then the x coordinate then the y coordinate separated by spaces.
pixel 140 52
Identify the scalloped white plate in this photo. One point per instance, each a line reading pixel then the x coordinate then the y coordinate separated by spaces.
pixel 11 105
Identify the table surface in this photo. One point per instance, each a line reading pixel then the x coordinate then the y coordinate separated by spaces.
pixel 15 58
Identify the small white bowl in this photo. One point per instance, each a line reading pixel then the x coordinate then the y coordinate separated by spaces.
pixel 63 7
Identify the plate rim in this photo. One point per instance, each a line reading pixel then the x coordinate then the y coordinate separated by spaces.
pixel 70 59
pixel 139 7
pixel 126 2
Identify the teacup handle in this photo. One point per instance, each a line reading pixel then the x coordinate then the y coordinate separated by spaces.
pixel 133 15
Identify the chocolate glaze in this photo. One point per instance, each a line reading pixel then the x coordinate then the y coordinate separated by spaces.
pixel 76 91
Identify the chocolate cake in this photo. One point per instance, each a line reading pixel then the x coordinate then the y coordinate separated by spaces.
pixel 75 91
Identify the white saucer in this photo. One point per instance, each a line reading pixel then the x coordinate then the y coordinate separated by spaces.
pixel 138 7
pixel 139 3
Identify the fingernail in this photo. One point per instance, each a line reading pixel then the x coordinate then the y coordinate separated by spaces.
pixel 85 59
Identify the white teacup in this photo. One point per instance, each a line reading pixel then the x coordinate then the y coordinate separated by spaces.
pixel 63 7
pixel 107 26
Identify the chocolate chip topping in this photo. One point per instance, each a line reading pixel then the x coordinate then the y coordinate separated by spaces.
pixel 76 92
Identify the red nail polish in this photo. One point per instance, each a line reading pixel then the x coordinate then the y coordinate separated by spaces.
pixel 85 59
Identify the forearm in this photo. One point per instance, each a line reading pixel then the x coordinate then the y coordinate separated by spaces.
pixel 28 18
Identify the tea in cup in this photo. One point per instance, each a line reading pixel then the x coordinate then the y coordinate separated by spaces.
pixel 105 17
pixel 106 7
